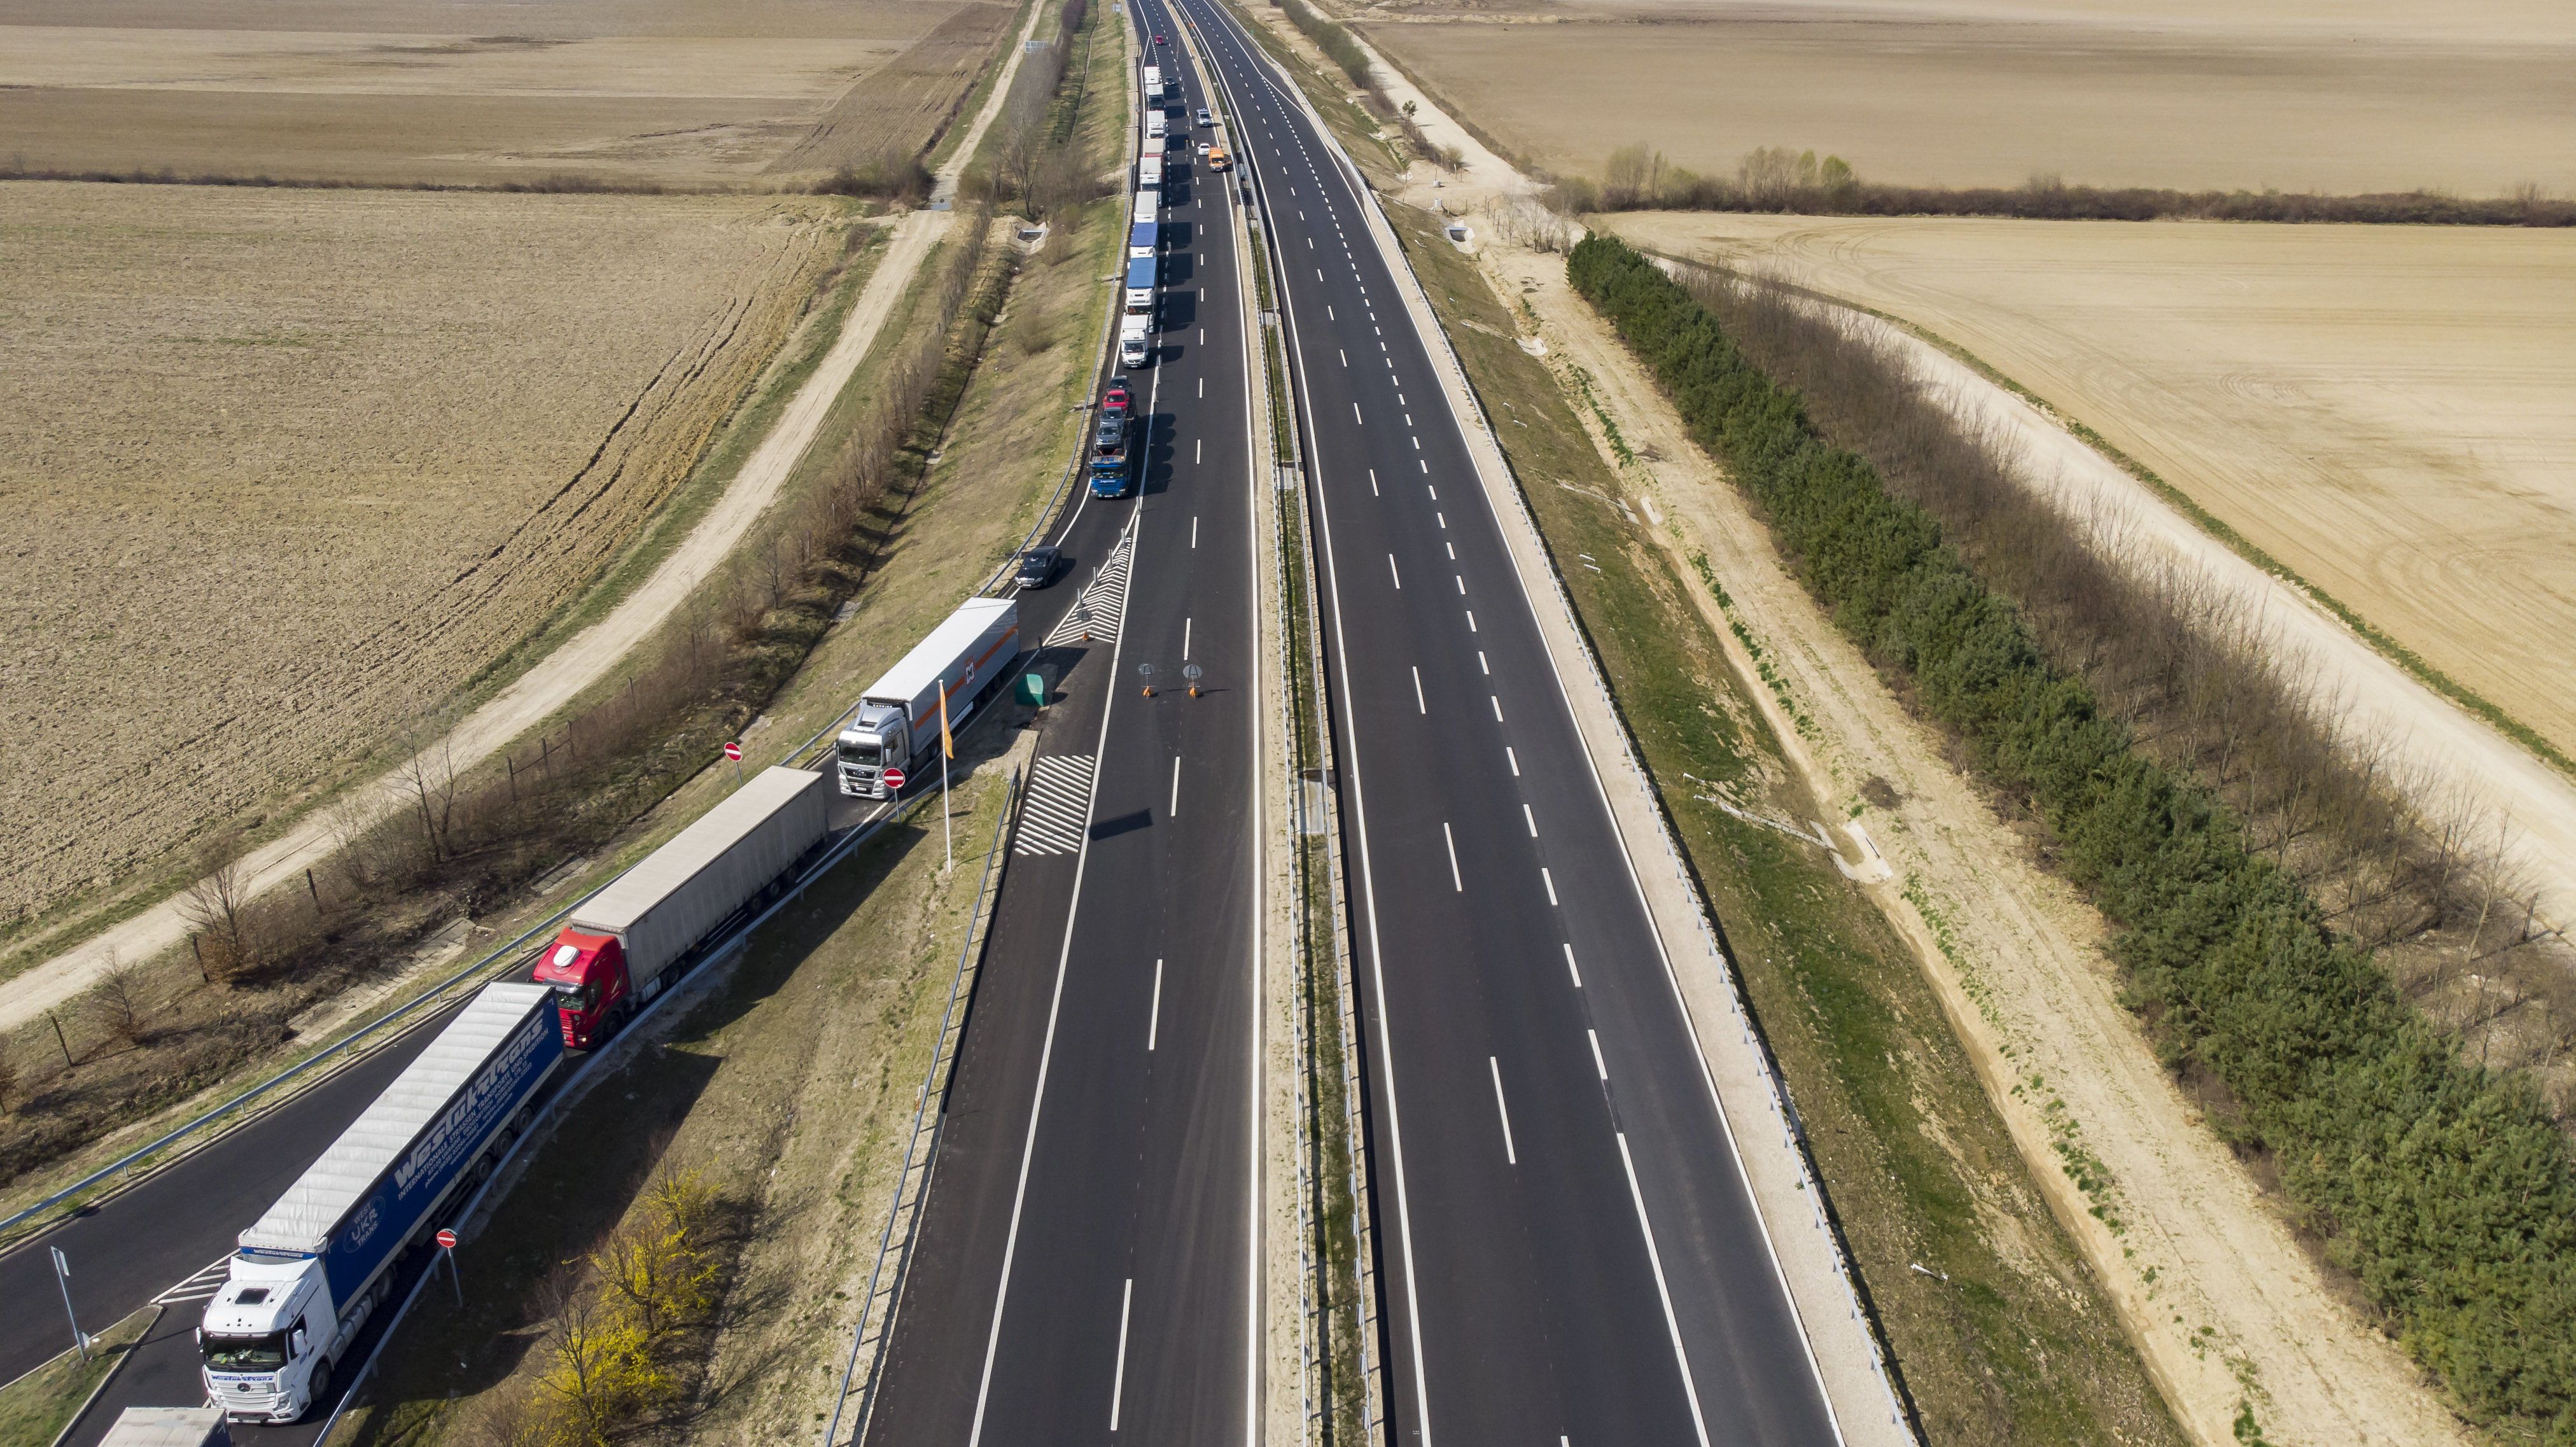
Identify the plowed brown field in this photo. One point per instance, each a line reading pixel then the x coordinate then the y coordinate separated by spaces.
pixel 279 470
pixel 2387 409
pixel 679 92
pixel 2352 95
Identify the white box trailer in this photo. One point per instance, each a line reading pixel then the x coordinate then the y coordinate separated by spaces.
pixel 1153 83
pixel 615 947
pixel 1148 206
pixel 896 725
pixel 169 1427
pixel 1135 346
pixel 1149 172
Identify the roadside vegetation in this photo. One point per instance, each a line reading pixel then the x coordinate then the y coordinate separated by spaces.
pixel 2262 878
pixel 1997 1330
pixel 785 1091
pixel 707 1197
pixel 37 1407
pixel 1777 179
pixel 1335 43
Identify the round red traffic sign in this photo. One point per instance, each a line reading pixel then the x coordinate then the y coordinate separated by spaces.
pixel 734 752
pixel 894 781
pixel 447 1239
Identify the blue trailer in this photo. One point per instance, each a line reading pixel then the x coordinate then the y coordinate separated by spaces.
pixel 320 1261
pixel 1144 273
pixel 1144 239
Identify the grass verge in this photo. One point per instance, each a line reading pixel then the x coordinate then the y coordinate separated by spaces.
pixel 1997 1329
pixel 36 1408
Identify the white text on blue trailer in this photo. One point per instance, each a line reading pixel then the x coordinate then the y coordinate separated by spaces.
pixel 313 1269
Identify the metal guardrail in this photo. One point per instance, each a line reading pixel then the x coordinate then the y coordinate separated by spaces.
pixel 1366 1285
pixel 914 1174
pixel 574 1085
pixel 333 1052
pixel 1811 1182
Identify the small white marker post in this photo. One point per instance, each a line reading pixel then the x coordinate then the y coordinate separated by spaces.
pixel 63 1279
pixel 447 1250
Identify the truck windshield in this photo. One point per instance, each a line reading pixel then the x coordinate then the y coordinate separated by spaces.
pixel 245 1353
pixel 855 753
pixel 576 998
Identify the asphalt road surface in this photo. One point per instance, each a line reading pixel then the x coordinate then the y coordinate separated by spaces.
pixel 1085 1268
pixel 167 1237
pixel 1572 1254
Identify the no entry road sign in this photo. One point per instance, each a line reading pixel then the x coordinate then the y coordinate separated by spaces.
pixel 447 1239
pixel 894 781
pixel 734 752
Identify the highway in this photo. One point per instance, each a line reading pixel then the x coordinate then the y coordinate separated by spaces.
pixel 1087 1260
pixel 1571 1253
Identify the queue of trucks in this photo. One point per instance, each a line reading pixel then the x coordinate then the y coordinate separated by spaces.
pixel 309 1274
pixel 322 1260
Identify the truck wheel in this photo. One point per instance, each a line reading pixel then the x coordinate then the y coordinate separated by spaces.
pixel 321 1397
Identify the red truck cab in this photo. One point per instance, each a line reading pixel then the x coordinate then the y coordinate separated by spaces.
pixel 588 975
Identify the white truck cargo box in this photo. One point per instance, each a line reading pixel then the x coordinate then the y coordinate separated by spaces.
pixel 667 903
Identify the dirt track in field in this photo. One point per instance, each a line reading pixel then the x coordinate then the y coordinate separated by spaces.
pixel 2389 410
pixel 2226 1306
pixel 581 661
pixel 282 469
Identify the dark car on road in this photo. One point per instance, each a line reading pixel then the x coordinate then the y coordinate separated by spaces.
pixel 1037 567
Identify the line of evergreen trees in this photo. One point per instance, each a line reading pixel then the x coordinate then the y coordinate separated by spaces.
pixel 2444 1188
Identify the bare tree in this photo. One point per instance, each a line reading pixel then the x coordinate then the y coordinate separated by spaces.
pixel 116 1002
pixel 216 906
pixel 428 779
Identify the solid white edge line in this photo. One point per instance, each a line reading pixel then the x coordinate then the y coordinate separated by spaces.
pixel 1055 1002
pixel 1368 896
pixel 1511 1156
pixel 1672 975
pixel 1655 1258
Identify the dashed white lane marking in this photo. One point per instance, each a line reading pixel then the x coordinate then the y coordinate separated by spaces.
pixel 1550 881
pixel 1496 700
pixel 1481 663
pixel 1512 759
pixel 1118 1381
pixel 1392 573
pixel 1097 611
pixel 1154 1021
pixel 1173 811
pixel 1599 1066
pixel 1418 705
pixel 1510 1157
pixel 1570 969
pixel 1356 418
pixel 1058 805
pixel 1530 819
pixel 1471 620
pixel 1447 839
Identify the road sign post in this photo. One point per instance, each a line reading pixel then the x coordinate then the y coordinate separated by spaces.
pixel 447 1248
pixel 63 1279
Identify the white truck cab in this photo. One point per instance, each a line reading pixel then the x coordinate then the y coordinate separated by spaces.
pixel 271 1336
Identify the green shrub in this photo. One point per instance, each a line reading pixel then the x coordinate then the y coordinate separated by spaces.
pixel 2446 1190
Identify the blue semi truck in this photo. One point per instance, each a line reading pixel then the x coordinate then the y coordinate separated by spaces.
pixel 321 1261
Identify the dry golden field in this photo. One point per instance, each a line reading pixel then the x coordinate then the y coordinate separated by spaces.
pixel 2347 96
pixel 2390 410
pixel 676 92
pixel 281 469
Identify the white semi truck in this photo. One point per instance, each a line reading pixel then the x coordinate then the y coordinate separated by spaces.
pixel 1153 84
pixel 896 725
pixel 311 1270
pixel 1149 171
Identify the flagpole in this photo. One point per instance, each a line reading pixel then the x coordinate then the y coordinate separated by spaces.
pixel 947 746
